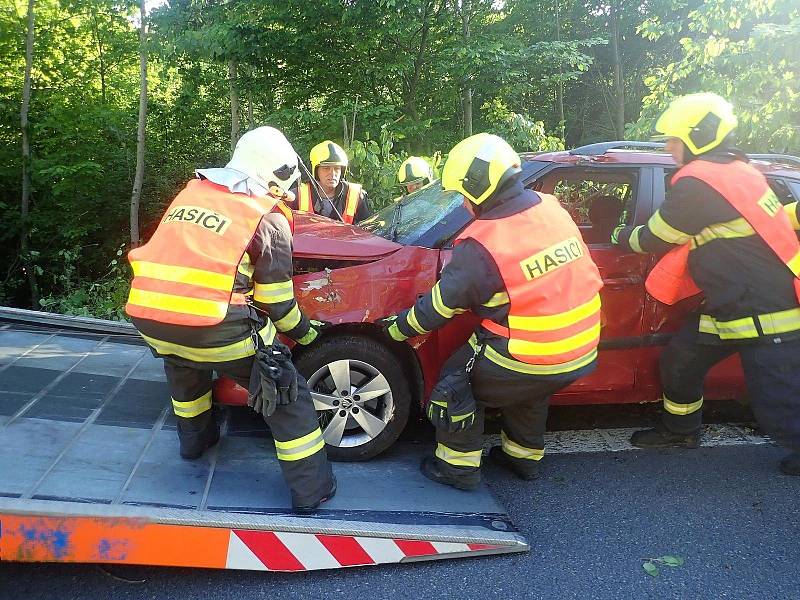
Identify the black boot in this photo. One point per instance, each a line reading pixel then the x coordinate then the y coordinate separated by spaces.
pixel 521 467
pixel 308 508
pixel 196 434
pixel 790 464
pixel 661 437
pixel 432 469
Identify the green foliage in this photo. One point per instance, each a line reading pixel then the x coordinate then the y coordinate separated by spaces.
pixel 521 132
pixel 387 75
pixel 746 51
pixel 103 297
pixel 650 565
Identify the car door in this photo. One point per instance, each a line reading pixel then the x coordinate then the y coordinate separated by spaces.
pixel 597 197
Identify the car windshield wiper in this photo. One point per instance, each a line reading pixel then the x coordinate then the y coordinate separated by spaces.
pixel 396 219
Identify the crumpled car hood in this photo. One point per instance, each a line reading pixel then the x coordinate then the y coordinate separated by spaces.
pixel 320 237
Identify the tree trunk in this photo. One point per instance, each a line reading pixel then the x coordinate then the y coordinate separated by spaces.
pixel 24 211
pixel 100 55
pixel 466 99
pixel 136 195
pixel 560 88
pixel 619 91
pixel 232 65
pixel 250 119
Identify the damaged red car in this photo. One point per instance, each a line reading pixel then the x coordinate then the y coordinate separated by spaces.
pixel 365 386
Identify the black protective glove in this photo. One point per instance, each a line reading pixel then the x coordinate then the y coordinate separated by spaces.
pixel 262 393
pixel 286 382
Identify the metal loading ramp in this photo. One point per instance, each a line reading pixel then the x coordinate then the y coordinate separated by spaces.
pixel 89 472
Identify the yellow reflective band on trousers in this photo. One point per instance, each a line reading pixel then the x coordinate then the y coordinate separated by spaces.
pixel 529 369
pixel 235 351
pixel 633 241
pixel 663 230
pixel 411 317
pixel 198 277
pixel 179 304
pixel 440 307
pixel 780 322
pixel 272 293
pixel 675 408
pixel 192 408
pixel 516 450
pixel 498 299
pixel 557 321
pixel 738 228
pixel 300 448
pixel 289 320
pixel 458 459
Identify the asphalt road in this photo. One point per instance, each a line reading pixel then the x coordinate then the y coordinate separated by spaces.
pixel 592 520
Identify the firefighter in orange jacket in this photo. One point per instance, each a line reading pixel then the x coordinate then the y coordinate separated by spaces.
pixel 538 298
pixel 212 288
pixel 329 194
pixel 727 236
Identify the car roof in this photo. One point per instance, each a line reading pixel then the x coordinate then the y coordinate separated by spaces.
pixel 625 152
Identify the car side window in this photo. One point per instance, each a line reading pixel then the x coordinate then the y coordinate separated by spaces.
pixel 782 190
pixel 595 199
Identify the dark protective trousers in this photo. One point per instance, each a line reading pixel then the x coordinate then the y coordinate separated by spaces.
pixel 523 400
pixel 771 370
pixel 294 426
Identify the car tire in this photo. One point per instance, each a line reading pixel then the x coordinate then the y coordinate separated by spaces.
pixel 356 361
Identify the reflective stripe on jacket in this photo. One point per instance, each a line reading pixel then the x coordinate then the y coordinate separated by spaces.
pixel 185 274
pixel 552 285
pixel 748 192
pixel 305 202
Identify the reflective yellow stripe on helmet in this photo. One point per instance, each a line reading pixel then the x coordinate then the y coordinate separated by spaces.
pixel 300 448
pixel 199 277
pixel 235 351
pixel 675 408
pixel 273 293
pixel 516 450
pixel 458 459
pixel 192 408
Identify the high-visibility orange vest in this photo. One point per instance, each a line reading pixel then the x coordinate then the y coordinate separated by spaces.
pixel 747 190
pixel 185 274
pixel 551 281
pixel 305 204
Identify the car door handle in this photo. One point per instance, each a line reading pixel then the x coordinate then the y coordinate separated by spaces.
pixel 616 283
